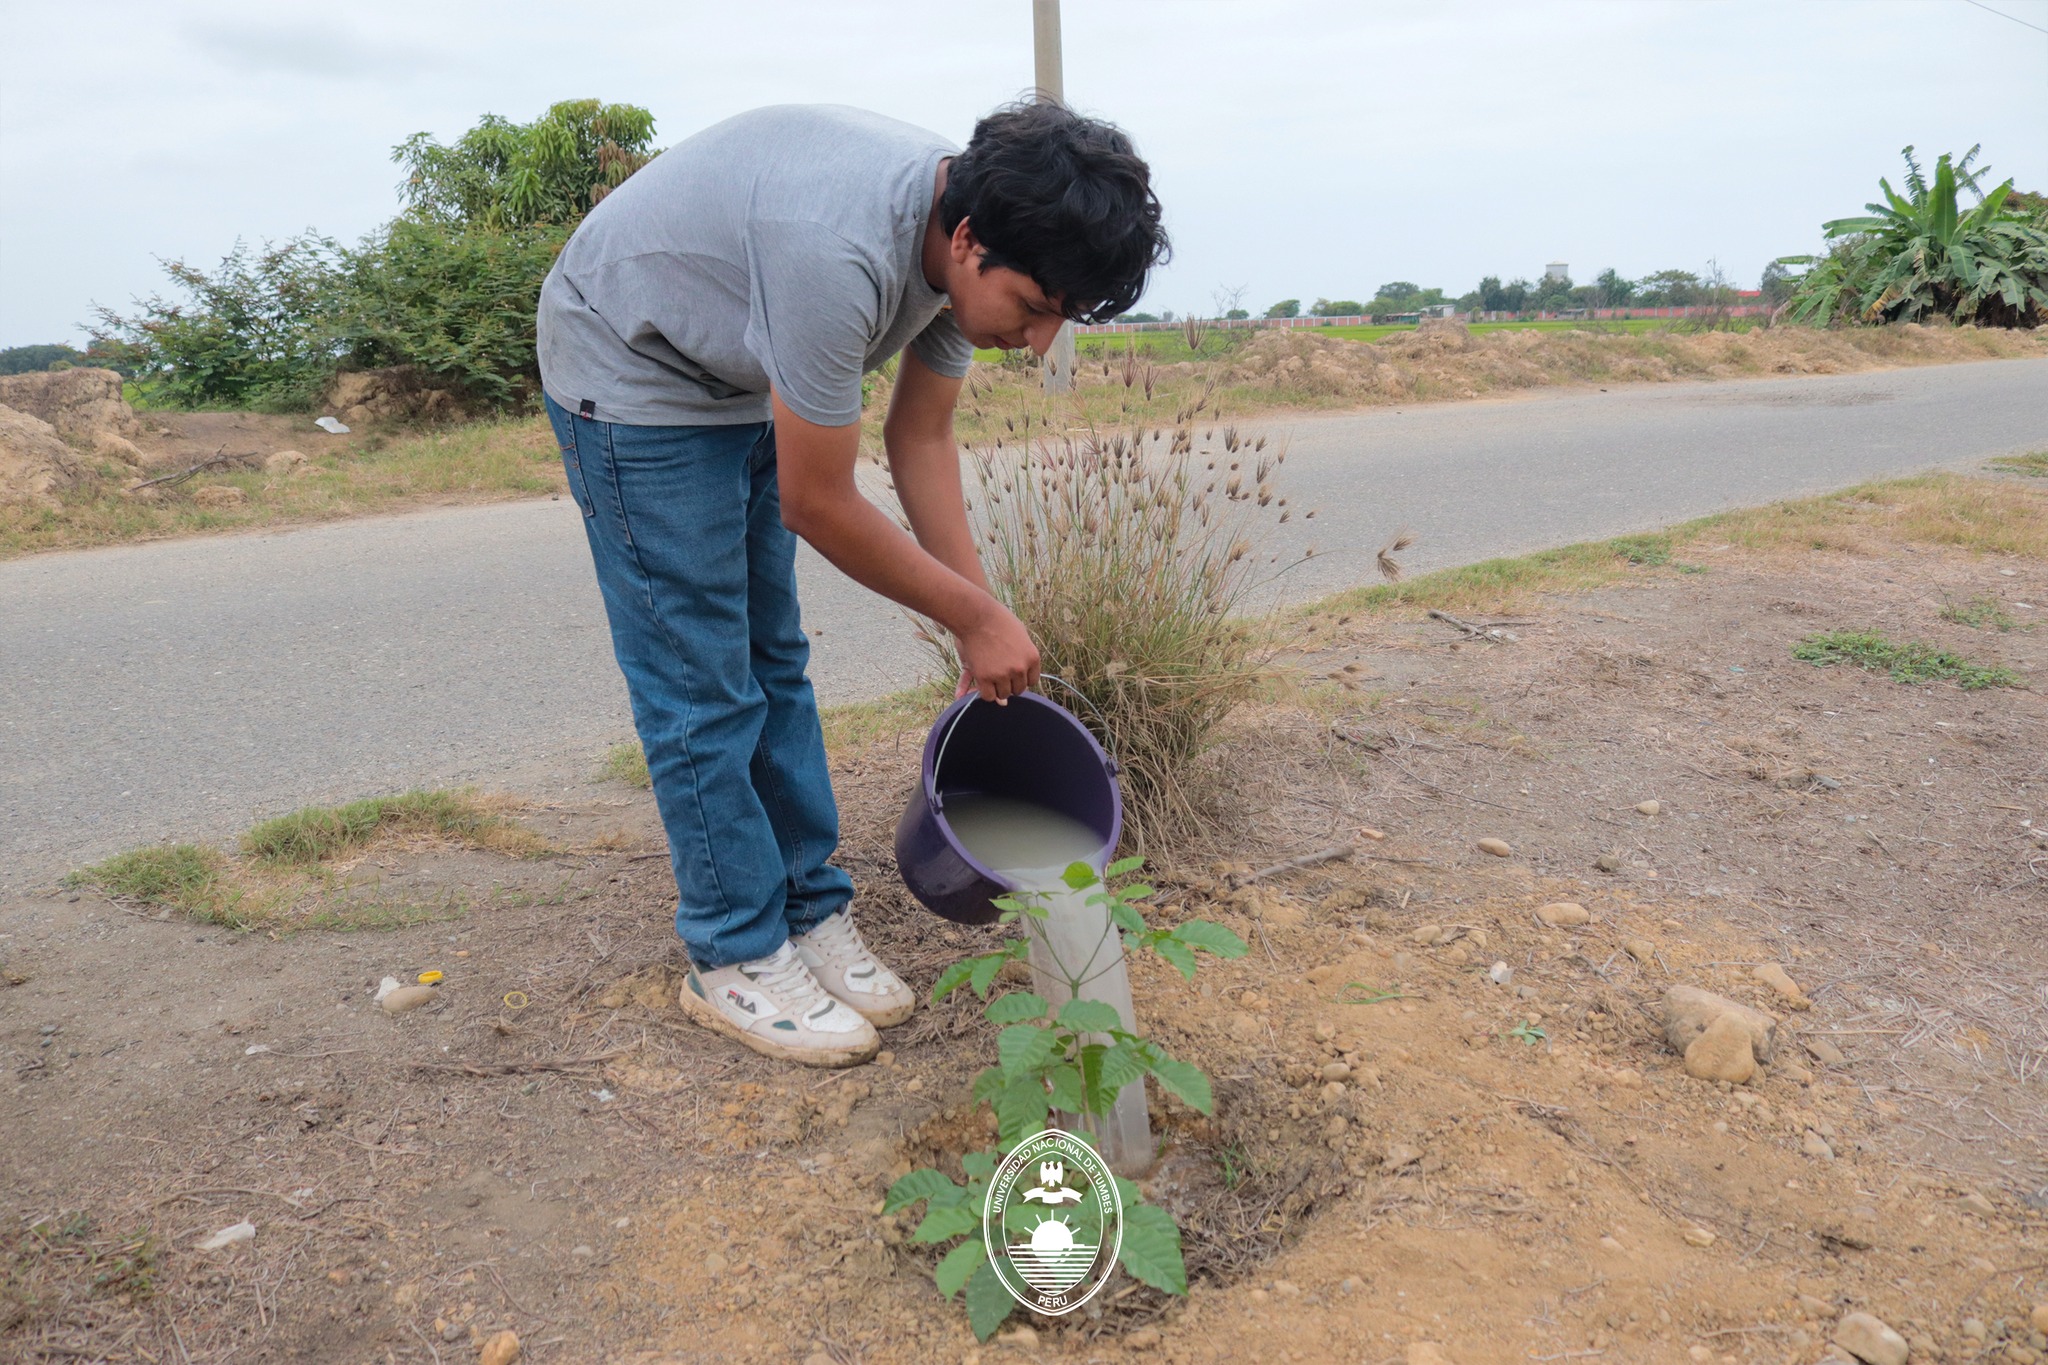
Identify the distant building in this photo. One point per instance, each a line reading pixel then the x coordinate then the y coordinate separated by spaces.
pixel 1556 270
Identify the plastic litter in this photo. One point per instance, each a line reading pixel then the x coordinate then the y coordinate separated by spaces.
pixel 244 1231
pixel 332 426
pixel 1500 973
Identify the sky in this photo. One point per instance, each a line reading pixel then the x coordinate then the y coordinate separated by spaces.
pixel 1302 148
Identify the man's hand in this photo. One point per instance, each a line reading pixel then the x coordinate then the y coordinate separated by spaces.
pixel 997 657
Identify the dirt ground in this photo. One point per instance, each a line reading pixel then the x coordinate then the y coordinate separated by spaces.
pixel 1505 1172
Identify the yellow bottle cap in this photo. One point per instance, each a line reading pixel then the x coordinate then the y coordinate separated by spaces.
pixel 430 978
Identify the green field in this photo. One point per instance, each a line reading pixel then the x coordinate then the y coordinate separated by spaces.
pixel 1168 346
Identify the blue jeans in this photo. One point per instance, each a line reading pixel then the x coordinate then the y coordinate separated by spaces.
pixel 699 581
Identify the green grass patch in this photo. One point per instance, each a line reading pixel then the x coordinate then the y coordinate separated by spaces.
pixel 1911 662
pixel 2034 464
pixel 185 877
pixel 1977 613
pixel 320 832
pixel 625 763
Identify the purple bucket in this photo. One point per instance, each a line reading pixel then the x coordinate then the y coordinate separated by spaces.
pixel 1031 750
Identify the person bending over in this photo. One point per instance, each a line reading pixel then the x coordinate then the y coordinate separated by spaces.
pixel 703 337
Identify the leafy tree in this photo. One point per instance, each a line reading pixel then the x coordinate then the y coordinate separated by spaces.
pixel 32 359
pixel 502 174
pixel 1234 314
pixel 1612 290
pixel 1139 317
pixel 1286 308
pixel 255 332
pixel 1336 308
pixel 1777 284
pixel 1668 289
pixel 1495 297
pixel 1398 293
pixel 1918 255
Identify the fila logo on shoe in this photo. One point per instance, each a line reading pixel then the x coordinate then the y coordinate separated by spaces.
pixel 746 1000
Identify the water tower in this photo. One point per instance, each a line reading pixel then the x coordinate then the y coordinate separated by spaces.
pixel 1555 271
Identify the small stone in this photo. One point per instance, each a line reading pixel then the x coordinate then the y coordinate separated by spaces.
pixel 1243 1027
pixel 337 1277
pixel 1350 1284
pixel 1019 1336
pixel 408 998
pixel 1792 1071
pixel 1499 848
pixel 1325 1031
pixel 885 1058
pixel 1479 938
pixel 1649 808
pixel 500 1348
pixel 1607 862
pixel 819 1358
pixel 1336 1071
pixel 1425 1353
pixel 1286 1289
pixel 1641 949
pixel 714 1264
pixel 1500 974
pixel 1611 1244
pixel 1425 934
pixel 1144 1339
pixel 1334 1128
pixel 1563 914
pixel 1816 1146
pixel 1774 976
pixel 1698 1353
pixel 1399 1155
pixel 1974 1329
pixel 1871 1341
pixel 1978 1204
pixel 1722 1053
pixel 2039 1317
pixel 1825 1051
pixel 1816 1307
pixel 1689 1011
pixel 1698 1237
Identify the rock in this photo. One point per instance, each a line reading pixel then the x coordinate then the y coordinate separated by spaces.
pixel 1499 848
pixel 1824 1051
pixel 819 1358
pixel 1563 914
pixel 2038 1319
pixel 1350 1284
pixel 1816 1146
pixel 1500 974
pixel 408 998
pixel 1425 1353
pixel 1774 976
pixel 1871 1341
pixel 35 464
pixel 1612 1244
pixel 1286 1289
pixel 1698 1237
pixel 1400 1155
pixel 1978 1204
pixel 228 1236
pixel 84 406
pixel 1975 1329
pixel 1723 1052
pixel 1641 949
pixel 1688 1011
pixel 398 393
pixel 1243 1027
pixel 1607 862
pixel 1815 1307
pixel 283 462
pixel 1336 1071
pixel 219 495
pixel 500 1348
pixel 1649 808
pixel 1792 1071
pixel 1019 1336
pixel 1144 1339
pixel 1425 934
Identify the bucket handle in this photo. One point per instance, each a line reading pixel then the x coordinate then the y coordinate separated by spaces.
pixel 938 760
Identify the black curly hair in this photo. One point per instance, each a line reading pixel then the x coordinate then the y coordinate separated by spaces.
pixel 1062 198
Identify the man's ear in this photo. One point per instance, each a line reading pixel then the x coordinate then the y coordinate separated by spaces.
pixel 963 246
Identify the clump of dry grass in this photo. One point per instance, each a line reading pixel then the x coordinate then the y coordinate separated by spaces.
pixel 1129 555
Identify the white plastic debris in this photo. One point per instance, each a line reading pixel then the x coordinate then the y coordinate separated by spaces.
pixel 255 1048
pixel 244 1231
pixel 1500 973
pixel 333 426
pixel 385 987
pixel 603 1096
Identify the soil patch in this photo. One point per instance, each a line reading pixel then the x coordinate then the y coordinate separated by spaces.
pixel 1447 1126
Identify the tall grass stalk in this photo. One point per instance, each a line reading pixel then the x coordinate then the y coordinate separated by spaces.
pixel 1131 558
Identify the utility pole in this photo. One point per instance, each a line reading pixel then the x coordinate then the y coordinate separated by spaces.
pixel 1050 84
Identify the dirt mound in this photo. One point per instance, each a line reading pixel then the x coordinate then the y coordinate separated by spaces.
pixel 1445 360
pixel 35 465
pixel 84 406
pixel 397 393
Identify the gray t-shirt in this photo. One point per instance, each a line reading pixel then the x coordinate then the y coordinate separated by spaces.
pixel 781 247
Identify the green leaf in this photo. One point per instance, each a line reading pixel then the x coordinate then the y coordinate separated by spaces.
pixel 1108 1071
pixel 1126 917
pixel 1079 876
pixel 1123 867
pixel 980 1165
pixel 1185 1080
pixel 982 973
pixel 957 1266
pixel 1024 1048
pixel 944 1222
pixel 1089 1016
pixel 1177 953
pixel 989 1083
pixel 1210 937
pixel 951 979
pixel 1015 1007
pixel 1020 1109
pixel 1151 1248
pixel 1136 891
pixel 988 1303
pixel 1067 1092
pixel 917 1185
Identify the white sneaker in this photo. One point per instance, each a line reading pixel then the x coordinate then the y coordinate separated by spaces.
pixel 843 964
pixel 775 1006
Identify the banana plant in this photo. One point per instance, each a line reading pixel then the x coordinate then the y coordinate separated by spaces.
pixel 1919 255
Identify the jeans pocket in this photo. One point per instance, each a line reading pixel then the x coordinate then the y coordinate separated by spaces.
pixel 573 467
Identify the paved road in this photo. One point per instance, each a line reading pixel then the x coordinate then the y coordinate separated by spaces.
pixel 183 689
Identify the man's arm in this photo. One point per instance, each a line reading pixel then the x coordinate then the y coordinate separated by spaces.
pixel 821 503
pixel 924 463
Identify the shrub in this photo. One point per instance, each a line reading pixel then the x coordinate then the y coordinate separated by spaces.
pixel 1130 565
pixel 1911 662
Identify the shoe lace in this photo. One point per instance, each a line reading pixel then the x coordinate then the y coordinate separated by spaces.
pixel 790 982
pixel 836 935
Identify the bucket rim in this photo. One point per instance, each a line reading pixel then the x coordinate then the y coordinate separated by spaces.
pixel 943 726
